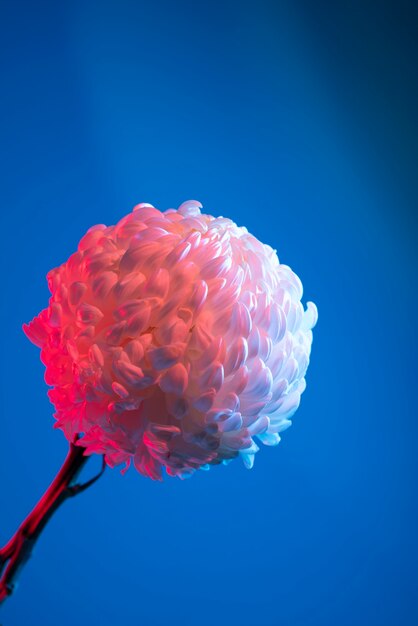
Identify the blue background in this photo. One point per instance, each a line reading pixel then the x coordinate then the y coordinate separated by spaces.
pixel 297 120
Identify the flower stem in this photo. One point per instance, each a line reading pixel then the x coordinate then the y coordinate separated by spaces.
pixel 18 550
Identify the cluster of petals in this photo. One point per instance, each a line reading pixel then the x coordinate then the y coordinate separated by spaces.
pixel 174 340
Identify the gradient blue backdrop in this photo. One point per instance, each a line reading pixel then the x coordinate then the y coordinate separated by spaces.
pixel 296 119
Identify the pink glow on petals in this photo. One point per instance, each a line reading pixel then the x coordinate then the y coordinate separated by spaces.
pixel 174 340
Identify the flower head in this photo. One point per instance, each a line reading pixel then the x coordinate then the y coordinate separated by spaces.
pixel 174 339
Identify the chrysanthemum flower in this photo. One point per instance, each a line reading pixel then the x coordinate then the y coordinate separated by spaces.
pixel 174 339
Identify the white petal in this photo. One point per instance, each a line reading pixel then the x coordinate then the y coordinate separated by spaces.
pixel 103 284
pixel 76 292
pixel 129 374
pixel 89 314
pixel 205 401
pixel 241 322
pixel 55 315
pixel 96 355
pixel 166 356
pixel 279 426
pixel 310 317
pixel 247 459
pixel 114 333
pixel 135 351
pixel 175 379
pixel 190 207
pixel 120 390
pixel 216 267
pixel 199 295
pixel 236 356
pixel 259 426
pixel 234 422
pixel 178 254
pixel 269 438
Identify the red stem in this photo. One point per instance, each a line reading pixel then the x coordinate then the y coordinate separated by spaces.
pixel 18 550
